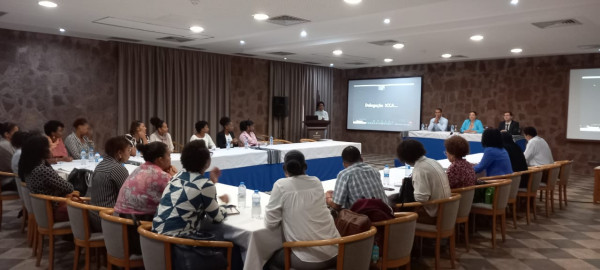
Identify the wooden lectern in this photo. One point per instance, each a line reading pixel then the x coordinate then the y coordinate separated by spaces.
pixel 315 129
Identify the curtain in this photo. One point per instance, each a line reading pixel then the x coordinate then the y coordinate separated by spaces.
pixel 180 87
pixel 304 86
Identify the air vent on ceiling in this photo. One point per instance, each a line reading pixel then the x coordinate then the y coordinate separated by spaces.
pixel 287 20
pixel 245 54
pixel 557 23
pixel 124 39
pixel 356 63
pixel 176 39
pixel 589 47
pixel 311 63
pixel 387 42
pixel 281 53
pixel 2 13
pixel 192 48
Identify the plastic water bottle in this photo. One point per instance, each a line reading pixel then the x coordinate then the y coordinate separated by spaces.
pixel 452 128
pixel 386 175
pixel 256 205
pixel 91 155
pixel 246 144
pixel 375 253
pixel 407 171
pixel 97 157
pixel 242 195
pixel 83 157
pixel 270 140
pixel 228 144
pixel 422 126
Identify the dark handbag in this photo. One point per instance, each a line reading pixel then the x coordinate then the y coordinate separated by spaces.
pixel 81 180
pixel 349 223
pixel 188 257
pixel 406 195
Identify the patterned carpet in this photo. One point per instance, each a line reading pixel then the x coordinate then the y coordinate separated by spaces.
pixel 569 239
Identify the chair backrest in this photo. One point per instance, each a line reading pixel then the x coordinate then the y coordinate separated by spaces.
pixel 26 197
pixel 8 193
pixel 514 187
pixel 535 177
pixel 117 244
pixel 399 234
pixel 307 140
pixel 156 248
pixel 447 212
pixel 565 172
pixel 42 209
pixel 79 218
pixel 354 251
pixel 466 200
pixel 552 175
pixel 502 189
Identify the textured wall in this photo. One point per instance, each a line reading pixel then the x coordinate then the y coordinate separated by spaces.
pixel 534 89
pixel 45 77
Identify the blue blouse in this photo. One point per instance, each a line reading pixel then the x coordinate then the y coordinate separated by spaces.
pixel 477 127
pixel 495 161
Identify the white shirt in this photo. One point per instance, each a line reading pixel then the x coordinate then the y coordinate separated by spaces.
pixel 538 152
pixel 298 204
pixel 440 126
pixel 430 183
pixel 207 139
pixel 322 115
pixel 166 139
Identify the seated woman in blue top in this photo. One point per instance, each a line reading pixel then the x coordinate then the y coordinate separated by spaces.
pixel 495 160
pixel 472 125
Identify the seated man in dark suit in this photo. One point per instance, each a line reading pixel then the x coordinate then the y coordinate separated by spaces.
pixel 508 125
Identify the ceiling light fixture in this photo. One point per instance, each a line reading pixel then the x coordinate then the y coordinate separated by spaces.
pixel 285 58
pixel 260 16
pixel 387 60
pixel 516 50
pixel 48 4
pixel 62 30
pixel 398 46
pixel 337 52
pixel 196 29
pixel 477 38
pixel 446 55
pixel 386 21
pixel 242 42
pixel 331 65
pixel 514 2
pixel 352 2
pixel 303 33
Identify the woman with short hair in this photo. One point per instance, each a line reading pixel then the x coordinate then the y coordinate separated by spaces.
pixel 54 131
pixel 202 130
pixel 472 124
pixel 460 172
pixel 79 139
pixel 495 160
pixel 226 135
pixel 247 135
pixel 162 133
pixel 137 135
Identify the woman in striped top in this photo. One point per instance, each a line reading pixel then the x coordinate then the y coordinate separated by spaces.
pixel 109 176
pixel 79 139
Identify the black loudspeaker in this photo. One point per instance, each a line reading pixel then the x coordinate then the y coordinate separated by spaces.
pixel 280 107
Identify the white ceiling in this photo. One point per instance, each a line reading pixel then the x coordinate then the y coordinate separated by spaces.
pixel 428 28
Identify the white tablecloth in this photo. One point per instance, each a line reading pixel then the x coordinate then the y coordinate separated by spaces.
pixel 473 158
pixel 64 168
pixel 442 135
pixel 314 150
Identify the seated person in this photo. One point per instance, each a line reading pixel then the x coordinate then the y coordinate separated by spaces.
pixel 358 180
pixel 495 160
pixel 202 134
pixel 321 113
pixel 517 158
pixel 200 195
pixel 18 140
pixel 247 128
pixel 54 132
pixel 79 139
pixel 296 204
pixel 6 154
pixel 428 178
pixel 226 135
pixel 40 177
pixel 472 125
pixel 143 189
pixel 537 151
pixel 508 125
pixel 162 133
pixel 438 123
pixel 109 176
pixel 460 172
pixel 137 135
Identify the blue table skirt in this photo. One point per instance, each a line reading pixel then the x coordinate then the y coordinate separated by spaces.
pixel 435 148
pixel 262 177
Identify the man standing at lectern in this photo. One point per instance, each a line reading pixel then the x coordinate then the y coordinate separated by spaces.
pixel 438 123
pixel 321 113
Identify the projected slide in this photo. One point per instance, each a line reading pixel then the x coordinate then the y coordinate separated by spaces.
pixel 392 104
pixel 584 98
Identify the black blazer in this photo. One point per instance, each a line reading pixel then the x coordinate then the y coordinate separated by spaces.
pixel 221 141
pixel 513 129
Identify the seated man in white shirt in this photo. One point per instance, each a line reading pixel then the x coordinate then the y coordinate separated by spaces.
pixel 438 123
pixel 537 151
pixel 429 179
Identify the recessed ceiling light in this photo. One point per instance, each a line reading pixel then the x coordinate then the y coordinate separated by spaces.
pixel 386 21
pixel 398 46
pixel 285 58
pixel 62 30
pixel 331 65
pixel 352 2
pixel 514 2
pixel 337 52
pixel 446 55
pixel 242 42
pixel 48 4
pixel 387 60
pixel 477 38
pixel 196 29
pixel 516 50
pixel 303 33
pixel 260 16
